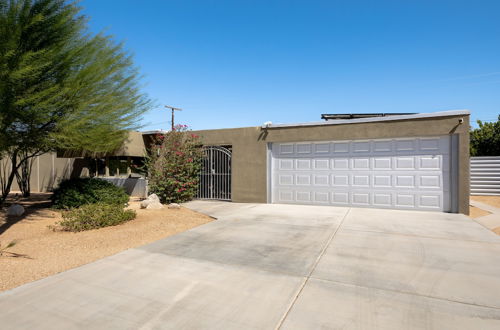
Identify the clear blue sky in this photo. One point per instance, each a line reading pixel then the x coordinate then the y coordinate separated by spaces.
pixel 241 63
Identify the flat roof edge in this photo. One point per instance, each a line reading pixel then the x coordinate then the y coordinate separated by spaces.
pixel 374 119
pixel 156 131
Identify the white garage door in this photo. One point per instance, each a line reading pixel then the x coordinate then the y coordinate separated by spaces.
pixel 392 173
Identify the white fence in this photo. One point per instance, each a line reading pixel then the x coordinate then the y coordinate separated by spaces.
pixel 485 175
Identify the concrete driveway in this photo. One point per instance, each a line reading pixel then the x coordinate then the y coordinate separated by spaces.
pixel 263 266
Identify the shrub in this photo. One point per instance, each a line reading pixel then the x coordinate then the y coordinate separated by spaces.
pixel 81 191
pixel 3 249
pixel 174 165
pixel 92 216
pixel 485 140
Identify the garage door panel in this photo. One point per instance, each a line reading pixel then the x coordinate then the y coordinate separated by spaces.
pixel 303 196
pixel 405 163
pixel 429 144
pixel 304 148
pixel 382 163
pixel 430 181
pixel 285 179
pixel 360 163
pixel 393 147
pixel 340 197
pixel 430 201
pixel 303 179
pixel 381 199
pixel 360 198
pixel 405 145
pixel 285 164
pixel 303 164
pixel 392 173
pixel 340 164
pixel 383 146
pixel 321 164
pixel 321 148
pixel 285 196
pixel 321 180
pixel 425 181
pixel 322 197
pixel 340 180
pixel 286 148
pixel 382 181
pixel 429 163
pixel 360 180
pixel 341 147
pixel 405 200
pixel 361 146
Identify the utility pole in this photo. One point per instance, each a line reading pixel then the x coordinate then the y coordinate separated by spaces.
pixel 173 109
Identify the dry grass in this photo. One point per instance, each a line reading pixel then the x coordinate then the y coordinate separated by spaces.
pixel 49 252
pixel 490 200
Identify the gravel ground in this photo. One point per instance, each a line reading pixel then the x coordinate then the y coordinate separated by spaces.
pixel 475 212
pixel 49 252
pixel 490 200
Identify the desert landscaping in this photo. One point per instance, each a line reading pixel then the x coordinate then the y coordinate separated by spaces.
pixel 41 251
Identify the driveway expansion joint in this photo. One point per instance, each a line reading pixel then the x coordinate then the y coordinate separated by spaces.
pixel 306 279
pixel 404 292
pixel 419 236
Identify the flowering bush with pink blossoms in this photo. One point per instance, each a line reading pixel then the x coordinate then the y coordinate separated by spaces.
pixel 174 164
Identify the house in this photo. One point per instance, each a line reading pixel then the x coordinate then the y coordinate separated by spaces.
pixel 120 167
pixel 404 161
pixel 397 161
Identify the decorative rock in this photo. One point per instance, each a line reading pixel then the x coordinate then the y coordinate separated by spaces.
pixel 154 205
pixel 15 210
pixel 174 206
pixel 153 198
pixel 152 202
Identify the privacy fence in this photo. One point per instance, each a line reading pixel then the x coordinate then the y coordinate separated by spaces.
pixel 485 175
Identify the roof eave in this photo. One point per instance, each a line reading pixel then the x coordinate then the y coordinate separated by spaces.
pixel 449 113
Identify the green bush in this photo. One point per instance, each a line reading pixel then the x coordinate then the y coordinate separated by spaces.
pixel 174 165
pixel 485 140
pixel 81 191
pixel 92 216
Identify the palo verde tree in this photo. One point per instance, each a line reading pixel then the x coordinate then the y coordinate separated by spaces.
pixel 485 140
pixel 61 87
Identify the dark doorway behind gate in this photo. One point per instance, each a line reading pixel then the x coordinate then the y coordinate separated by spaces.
pixel 215 175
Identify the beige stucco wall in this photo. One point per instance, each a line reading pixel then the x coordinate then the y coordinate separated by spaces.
pixel 47 171
pixel 51 168
pixel 132 146
pixel 249 162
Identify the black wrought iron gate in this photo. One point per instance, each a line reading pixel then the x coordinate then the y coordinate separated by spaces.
pixel 215 175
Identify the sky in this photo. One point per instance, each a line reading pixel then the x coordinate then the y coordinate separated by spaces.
pixel 242 63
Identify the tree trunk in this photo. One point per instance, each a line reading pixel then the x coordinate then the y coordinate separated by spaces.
pixel 24 175
pixel 8 183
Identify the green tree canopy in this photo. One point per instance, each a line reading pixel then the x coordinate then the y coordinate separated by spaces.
pixel 60 85
pixel 485 140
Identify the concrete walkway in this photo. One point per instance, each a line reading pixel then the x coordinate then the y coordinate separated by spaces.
pixel 265 266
